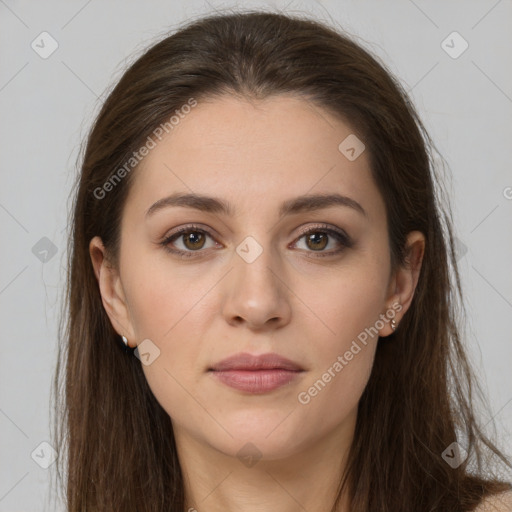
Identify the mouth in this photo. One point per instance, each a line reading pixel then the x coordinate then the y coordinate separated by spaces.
pixel 256 374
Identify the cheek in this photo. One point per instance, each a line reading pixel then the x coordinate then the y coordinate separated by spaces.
pixel 344 360
pixel 330 400
pixel 347 307
pixel 343 302
pixel 163 295
pixel 167 306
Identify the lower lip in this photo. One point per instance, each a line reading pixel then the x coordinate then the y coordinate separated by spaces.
pixel 256 381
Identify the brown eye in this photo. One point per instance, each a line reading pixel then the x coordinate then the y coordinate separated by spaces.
pixel 317 240
pixel 188 241
pixel 323 241
pixel 193 240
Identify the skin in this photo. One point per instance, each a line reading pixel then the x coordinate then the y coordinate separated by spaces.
pixel 289 300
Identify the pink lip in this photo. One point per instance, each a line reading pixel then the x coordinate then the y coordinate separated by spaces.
pixel 245 361
pixel 256 374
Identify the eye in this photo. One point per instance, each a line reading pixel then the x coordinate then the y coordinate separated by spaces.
pixel 189 240
pixel 186 241
pixel 318 238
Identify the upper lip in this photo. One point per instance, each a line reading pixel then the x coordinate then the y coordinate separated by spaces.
pixel 245 361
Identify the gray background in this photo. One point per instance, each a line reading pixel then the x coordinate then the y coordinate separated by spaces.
pixel 48 104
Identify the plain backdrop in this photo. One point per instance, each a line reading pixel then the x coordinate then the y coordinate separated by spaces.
pixel 464 96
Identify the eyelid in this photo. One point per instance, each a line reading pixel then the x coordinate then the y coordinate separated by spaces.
pixel 340 234
pixel 190 227
pixel 323 227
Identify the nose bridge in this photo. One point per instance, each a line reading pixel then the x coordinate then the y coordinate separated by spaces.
pixel 256 293
pixel 256 265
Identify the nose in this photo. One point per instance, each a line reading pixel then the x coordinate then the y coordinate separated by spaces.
pixel 256 294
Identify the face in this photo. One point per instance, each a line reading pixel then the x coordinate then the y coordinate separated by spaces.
pixel 310 282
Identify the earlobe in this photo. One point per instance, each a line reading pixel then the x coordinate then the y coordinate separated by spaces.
pixel 404 281
pixel 111 290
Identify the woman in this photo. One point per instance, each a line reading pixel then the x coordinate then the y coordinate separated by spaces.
pixel 256 220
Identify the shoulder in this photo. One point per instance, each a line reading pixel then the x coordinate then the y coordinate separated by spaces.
pixel 496 503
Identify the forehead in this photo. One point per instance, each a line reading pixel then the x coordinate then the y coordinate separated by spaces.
pixel 254 152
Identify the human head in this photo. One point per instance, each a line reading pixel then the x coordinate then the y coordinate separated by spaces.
pixel 287 57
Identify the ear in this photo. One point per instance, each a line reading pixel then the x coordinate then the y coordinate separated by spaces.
pixel 111 290
pixel 404 280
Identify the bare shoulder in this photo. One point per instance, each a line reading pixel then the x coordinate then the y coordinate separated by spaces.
pixel 496 503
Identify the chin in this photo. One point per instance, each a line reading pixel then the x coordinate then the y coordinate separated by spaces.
pixel 260 435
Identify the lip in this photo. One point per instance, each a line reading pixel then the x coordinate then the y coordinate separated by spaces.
pixel 256 374
pixel 245 361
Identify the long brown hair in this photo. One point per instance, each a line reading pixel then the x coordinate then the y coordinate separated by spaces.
pixel 118 440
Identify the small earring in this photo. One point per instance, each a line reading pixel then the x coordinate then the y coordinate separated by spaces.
pixel 125 341
pixel 393 325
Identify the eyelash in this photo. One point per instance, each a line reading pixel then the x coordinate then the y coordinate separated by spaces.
pixel 340 236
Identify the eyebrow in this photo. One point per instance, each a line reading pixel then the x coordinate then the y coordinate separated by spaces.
pixel 306 203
